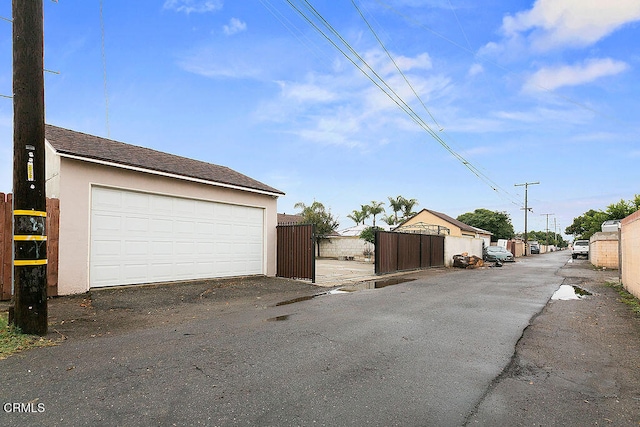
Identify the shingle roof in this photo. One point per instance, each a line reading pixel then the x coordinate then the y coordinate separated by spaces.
pixel 82 145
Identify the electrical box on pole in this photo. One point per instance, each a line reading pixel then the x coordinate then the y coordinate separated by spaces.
pixel 29 306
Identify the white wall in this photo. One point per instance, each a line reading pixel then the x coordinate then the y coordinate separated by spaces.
pixel 339 246
pixel 454 245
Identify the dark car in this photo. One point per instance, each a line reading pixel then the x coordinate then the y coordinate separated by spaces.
pixel 535 247
pixel 498 253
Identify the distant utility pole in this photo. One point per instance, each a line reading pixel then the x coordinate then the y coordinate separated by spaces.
pixel 526 210
pixel 29 305
pixel 547 214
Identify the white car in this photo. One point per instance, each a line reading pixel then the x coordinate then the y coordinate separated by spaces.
pixel 580 247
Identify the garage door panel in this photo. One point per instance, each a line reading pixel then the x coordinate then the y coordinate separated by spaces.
pixel 105 222
pixel 162 270
pixel 104 275
pixel 184 207
pixel 161 248
pixel 136 248
pixel 108 200
pixel 162 205
pixel 206 228
pixel 135 273
pixel 205 210
pixel 136 202
pixel 108 248
pixel 144 238
pixel 136 224
pixel 161 226
pixel 184 227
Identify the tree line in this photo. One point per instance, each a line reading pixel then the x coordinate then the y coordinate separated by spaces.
pixel 589 223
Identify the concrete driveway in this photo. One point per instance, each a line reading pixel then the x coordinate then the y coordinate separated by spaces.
pixel 331 273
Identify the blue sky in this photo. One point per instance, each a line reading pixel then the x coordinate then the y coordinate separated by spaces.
pixel 505 91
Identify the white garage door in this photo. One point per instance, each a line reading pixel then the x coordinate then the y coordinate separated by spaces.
pixel 144 238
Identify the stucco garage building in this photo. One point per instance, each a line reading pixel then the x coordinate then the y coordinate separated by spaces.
pixel 132 215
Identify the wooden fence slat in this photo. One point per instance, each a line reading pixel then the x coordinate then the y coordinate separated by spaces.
pixel 53 234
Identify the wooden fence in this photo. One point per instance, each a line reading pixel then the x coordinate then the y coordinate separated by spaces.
pixel 6 245
pixel 407 251
pixel 295 257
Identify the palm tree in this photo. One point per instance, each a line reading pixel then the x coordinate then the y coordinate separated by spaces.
pixel 375 208
pixel 396 204
pixel 407 207
pixel 390 219
pixel 357 216
pixel 364 209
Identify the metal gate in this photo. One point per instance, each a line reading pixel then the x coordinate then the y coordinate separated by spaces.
pixel 407 251
pixel 295 254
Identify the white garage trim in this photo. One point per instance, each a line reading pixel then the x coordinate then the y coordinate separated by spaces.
pixel 141 237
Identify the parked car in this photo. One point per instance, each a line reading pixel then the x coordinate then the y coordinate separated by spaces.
pixel 610 225
pixel 497 253
pixel 580 247
pixel 535 247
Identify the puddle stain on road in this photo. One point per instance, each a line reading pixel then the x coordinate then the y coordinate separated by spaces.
pixel 299 299
pixel 375 284
pixel 279 318
pixel 570 292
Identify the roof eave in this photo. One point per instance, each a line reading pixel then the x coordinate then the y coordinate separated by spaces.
pixel 168 174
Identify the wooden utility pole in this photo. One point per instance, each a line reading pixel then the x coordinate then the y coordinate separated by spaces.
pixel 547 214
pixel 29 305
pixel 526 211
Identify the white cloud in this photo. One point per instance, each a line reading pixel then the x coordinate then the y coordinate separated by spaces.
pixel 208 62
pixel 189 6
pixel 573 75
pixel 342 107
pixel 475 70
pixel 234 26
pixel 306 92
pixel 379 61
pixel 558 23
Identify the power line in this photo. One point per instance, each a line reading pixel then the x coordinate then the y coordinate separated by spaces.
pixel 395 64
pixel 104 71
pixel 381 83
pixel 286 22
pixel 488 181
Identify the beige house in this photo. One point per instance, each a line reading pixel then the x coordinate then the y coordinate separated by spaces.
pixel 433 222
pixel 131 215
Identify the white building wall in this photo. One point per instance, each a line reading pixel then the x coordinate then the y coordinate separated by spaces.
pixel 454 245
pixel 341 247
